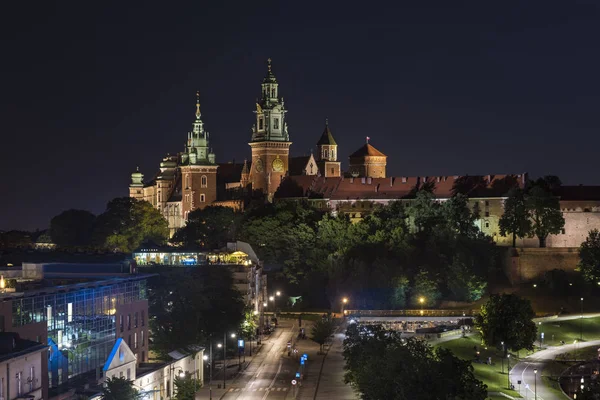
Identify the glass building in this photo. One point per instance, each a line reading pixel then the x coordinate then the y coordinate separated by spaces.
pixel 81 320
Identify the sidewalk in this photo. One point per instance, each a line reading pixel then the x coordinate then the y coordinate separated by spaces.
pixel 331 385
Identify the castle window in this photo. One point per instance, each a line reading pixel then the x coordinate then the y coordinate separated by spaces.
pixel 333 154
pixel 260 124
pixel 487 213
pixel 185 215
pixel 204 181
pixel 563 231
pixel 487 224
pixel 202 198
pixel 187 181
pixel 325 153
pixel 332 171
pixel 276 123
pixel 273 93
pixel 487 203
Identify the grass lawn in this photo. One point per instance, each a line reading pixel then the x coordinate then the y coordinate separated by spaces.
pixel 491 375
pixel 569 331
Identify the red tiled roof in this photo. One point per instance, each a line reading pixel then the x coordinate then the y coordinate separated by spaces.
pixel 403 187
pixel 367 150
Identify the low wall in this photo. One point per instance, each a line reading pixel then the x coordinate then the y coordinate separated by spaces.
pixel 528 264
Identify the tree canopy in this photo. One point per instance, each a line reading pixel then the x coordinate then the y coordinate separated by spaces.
pixel 119 389
pixel 127 223
pixel 544 210
pixel 210 228
pixel 589 257
pixel 72 228
pixel 190 305
pixel 515 219
pixel 321 330
pixel 186 387
pixel 507 318
pixel 382 365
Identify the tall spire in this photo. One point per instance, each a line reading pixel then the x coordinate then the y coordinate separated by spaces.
pixel 270 77
pixel 198 104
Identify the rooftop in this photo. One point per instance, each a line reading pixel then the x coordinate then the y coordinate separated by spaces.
pixel 367 150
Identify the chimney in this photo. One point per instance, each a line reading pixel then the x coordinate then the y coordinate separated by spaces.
pixel 362 180
pixel 352 180
pixel 391 181
pixel 369 180
pixel 377 188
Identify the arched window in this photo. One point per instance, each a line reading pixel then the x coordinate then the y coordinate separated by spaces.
pixel 260 124
pixel 333 154
pixel 273 93
pixel 202 198
pixel 325 153
pixel 204 181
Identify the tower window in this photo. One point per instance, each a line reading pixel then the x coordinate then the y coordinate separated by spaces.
pixel 187 181
pixel 204 181
pixel 202 198
pixel 273 93
pixel 260 124
pixel 276 123
pixel 325 153
pixel 333 154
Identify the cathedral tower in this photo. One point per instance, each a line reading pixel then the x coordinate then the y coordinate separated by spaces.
pixel 329 166
pixel 270 140
pixel 368 162
pixel 198 168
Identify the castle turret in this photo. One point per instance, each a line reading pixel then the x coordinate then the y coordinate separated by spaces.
pixel 136 187
pixel 327 161
pixel 198 168
pixel 368 162
pixel 270 139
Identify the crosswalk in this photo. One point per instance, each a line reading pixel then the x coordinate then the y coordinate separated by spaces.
pixel 260 389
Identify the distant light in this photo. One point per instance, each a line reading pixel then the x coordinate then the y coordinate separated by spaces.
pixel 233 335
pixel 278 293
pixel 205 357
pixel 535 285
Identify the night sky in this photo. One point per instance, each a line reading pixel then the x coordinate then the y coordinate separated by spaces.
pixel 443 88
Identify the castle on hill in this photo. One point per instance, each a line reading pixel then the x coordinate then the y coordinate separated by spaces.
pixel 193 179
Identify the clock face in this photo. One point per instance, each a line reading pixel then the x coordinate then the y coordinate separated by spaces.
pixel 258 165
pixel 277 165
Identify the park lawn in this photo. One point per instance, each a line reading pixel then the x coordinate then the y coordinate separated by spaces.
pixel 583 353
pixel 491 375
pixel 569 330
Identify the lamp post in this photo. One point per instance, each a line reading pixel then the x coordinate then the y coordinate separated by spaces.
pixel 508 371
pixel 421 301
pixel 503 349
pixel 535 383
pixel 209 359
pixel 541 336
pixel 581 322
pixel 344 302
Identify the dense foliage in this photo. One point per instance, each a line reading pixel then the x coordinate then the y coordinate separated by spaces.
pixel 72 228
pixel 589 257
pixel 191 305
pixel 210 228
pixel 382 365
pixel 505 322
pixel 127 223
pixel 321 331
pixel 186 387
pixel 391 258
pixel 119 389
pixel 534 211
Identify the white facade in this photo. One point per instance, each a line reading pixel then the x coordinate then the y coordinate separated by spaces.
pixel 156 383
pixel 21 375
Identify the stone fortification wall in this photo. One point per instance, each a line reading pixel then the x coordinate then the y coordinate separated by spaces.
pixel 529 264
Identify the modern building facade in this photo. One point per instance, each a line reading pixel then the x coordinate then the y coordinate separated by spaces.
pixel 79 322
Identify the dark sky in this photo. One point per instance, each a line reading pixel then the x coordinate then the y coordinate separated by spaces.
pixel 441 87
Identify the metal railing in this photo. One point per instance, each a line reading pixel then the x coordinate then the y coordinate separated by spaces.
pixel 412 313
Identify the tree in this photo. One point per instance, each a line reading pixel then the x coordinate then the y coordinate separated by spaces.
pixel 127 223
pixel 507 318
pixel 380 364
pixel 463 283
pixel 191 305
pixel 119 389
pixel 425 213
pixel 589 257
pixel 458 216
pixel 515 219
pixel 426 288
pixel 186 387
pixel 544 209
pixel 211 227
pixel 321 331
pixel 72 228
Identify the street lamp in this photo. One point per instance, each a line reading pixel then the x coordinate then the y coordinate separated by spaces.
pixel 271 298
pixel 278 293
pixel 225 355
pixel 421 300
pixel 206 358
pixel 508 371
pixel 581 322
pixel 541 336
pixel 503 350
pixel 535 382
pixel 344 302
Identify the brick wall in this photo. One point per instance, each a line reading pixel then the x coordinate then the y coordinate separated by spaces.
pixel 529 264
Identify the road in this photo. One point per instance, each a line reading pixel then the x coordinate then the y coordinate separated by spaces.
pixel 270 374
pixel 524 370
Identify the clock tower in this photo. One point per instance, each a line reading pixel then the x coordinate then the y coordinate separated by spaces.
pixel 270 139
